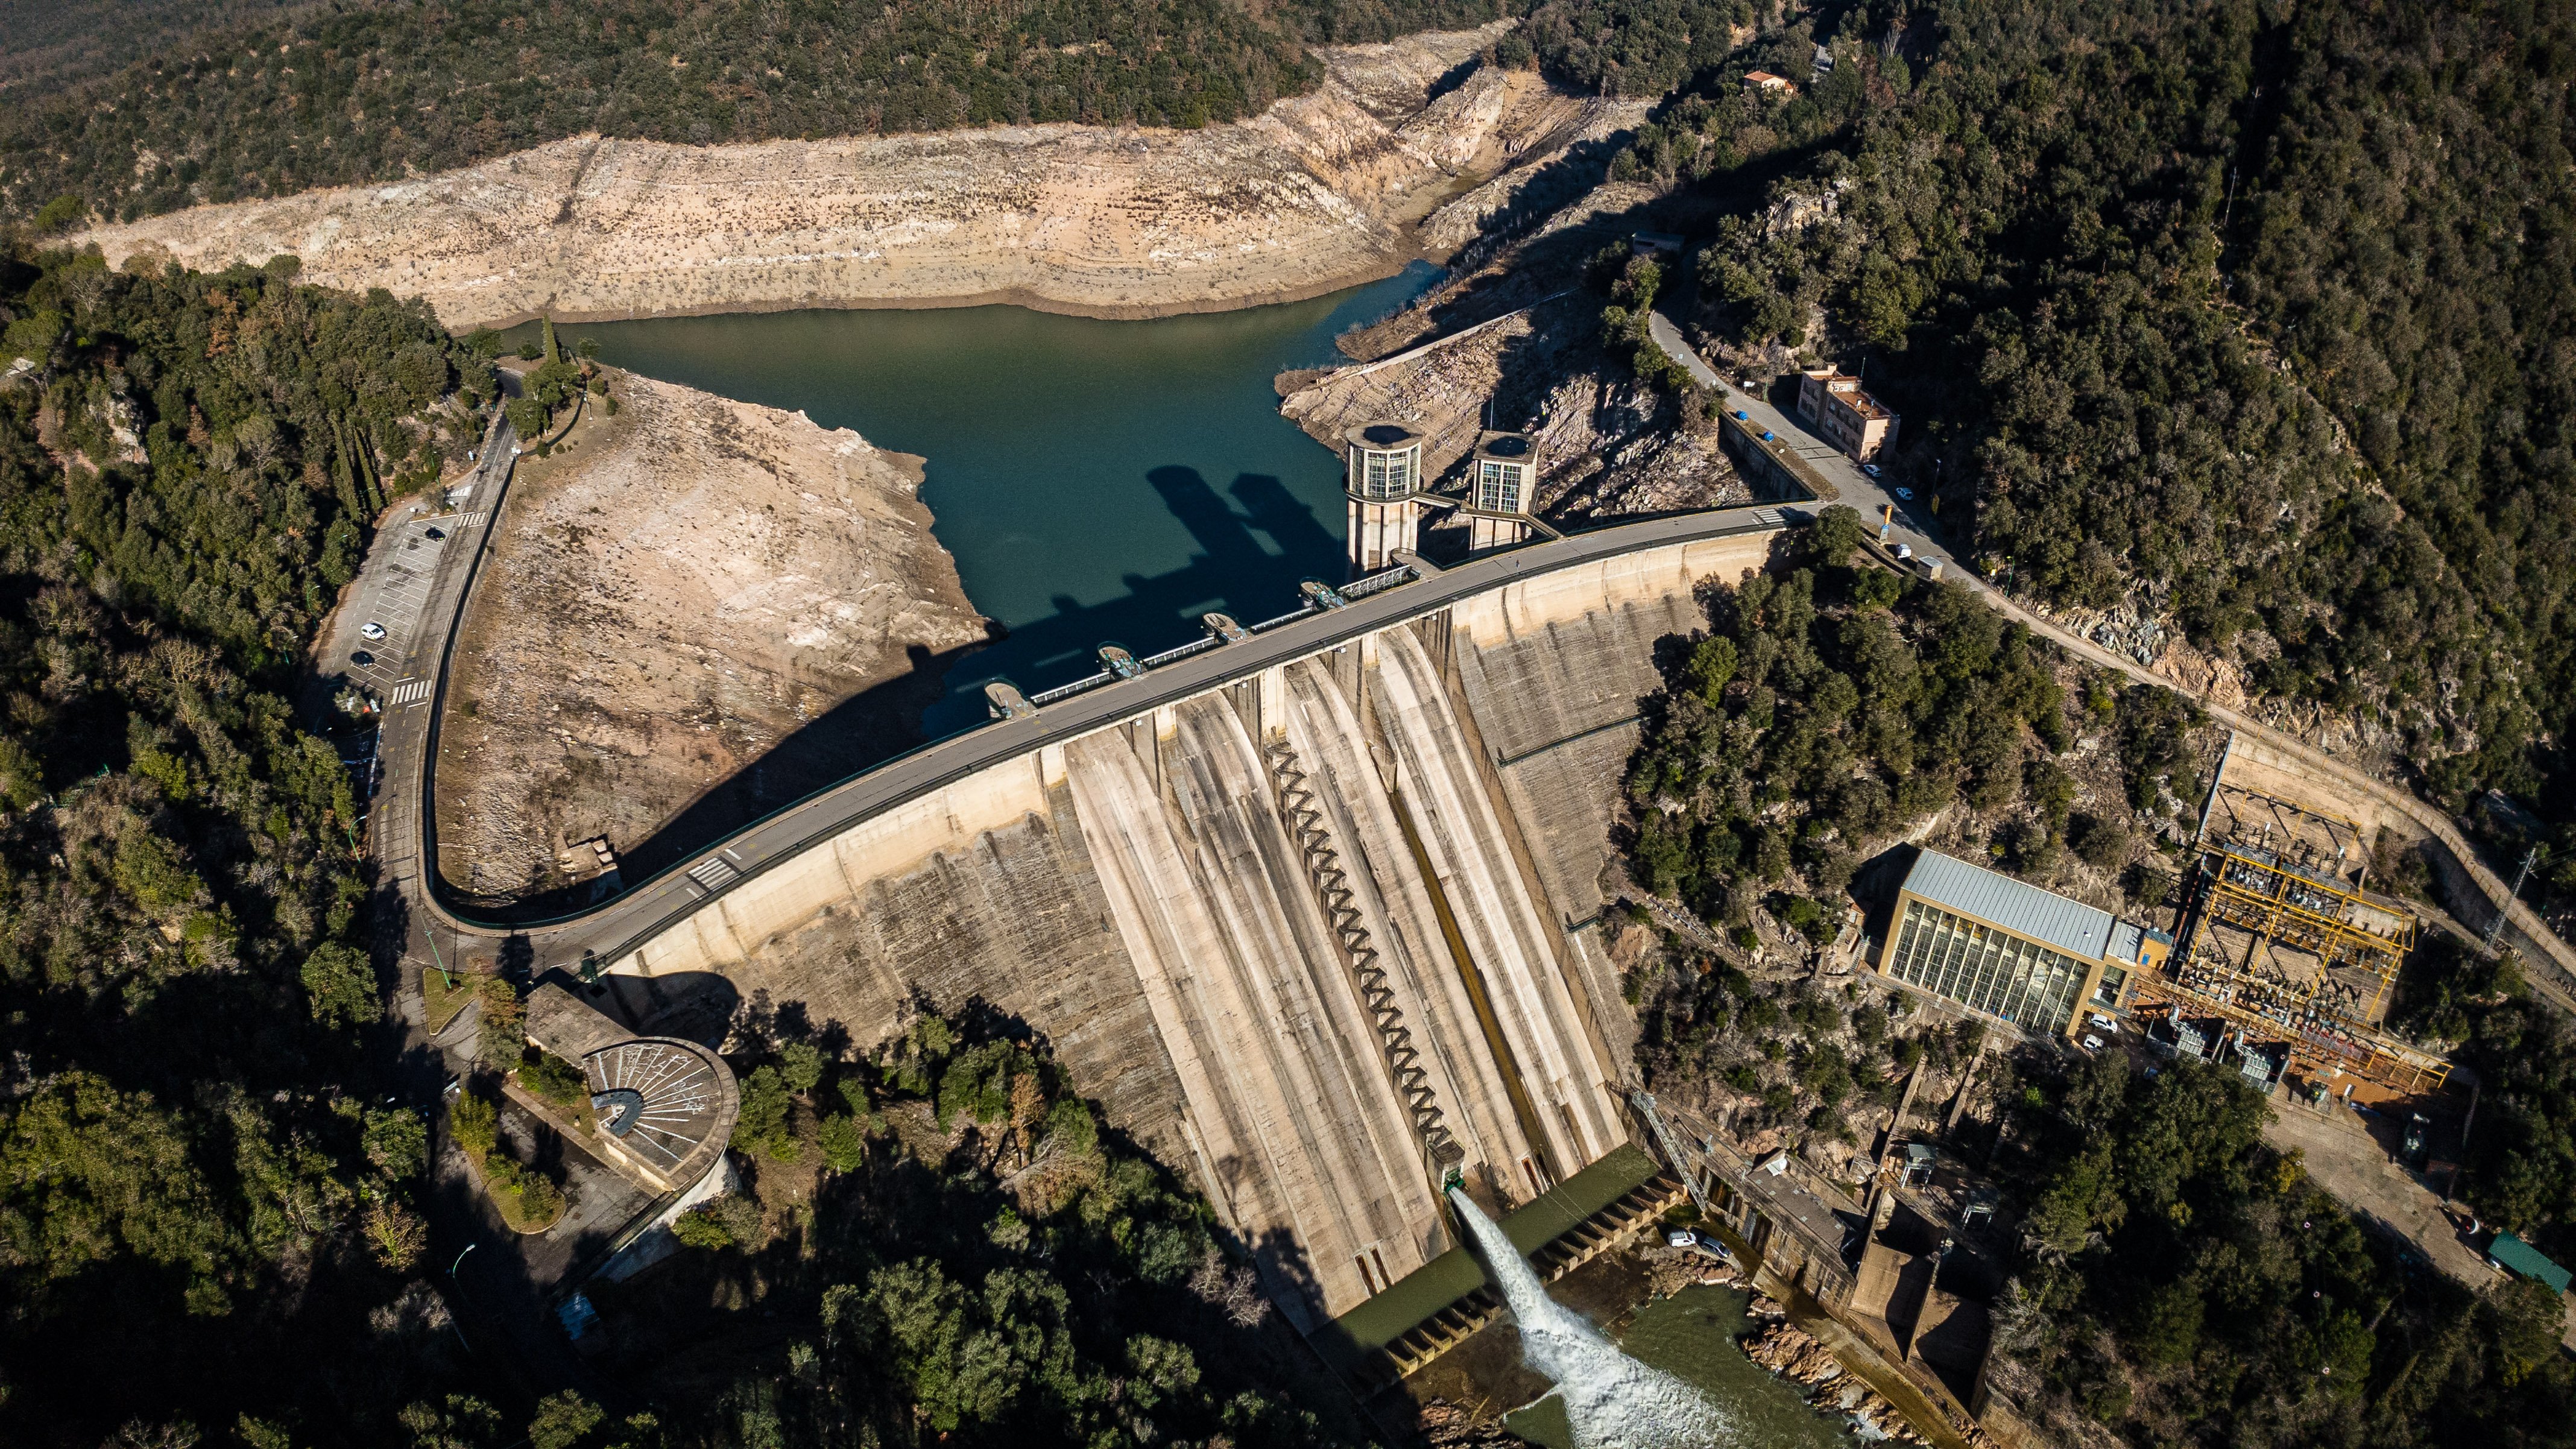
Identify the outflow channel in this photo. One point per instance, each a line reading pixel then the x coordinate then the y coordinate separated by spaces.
pixel 1611 1400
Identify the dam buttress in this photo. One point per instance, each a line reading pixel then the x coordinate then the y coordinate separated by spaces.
pixel 1316 936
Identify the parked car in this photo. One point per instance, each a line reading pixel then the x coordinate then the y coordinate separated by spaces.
pixel 1903 495
pixel 371 630
pixel 2092 1043
pixel 1680 1238
pixel 435 533
pixel 2106 1025
pixel 1904 551
pixel 1870 468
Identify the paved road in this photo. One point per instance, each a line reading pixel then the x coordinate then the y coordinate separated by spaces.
pixel 405 831
pixel 1910 526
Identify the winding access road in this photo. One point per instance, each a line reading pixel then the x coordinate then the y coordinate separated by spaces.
pixel 1871 499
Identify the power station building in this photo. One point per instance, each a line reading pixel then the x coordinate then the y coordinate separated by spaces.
pixel 1501 479
pixel 1383 477
pixel 1998 946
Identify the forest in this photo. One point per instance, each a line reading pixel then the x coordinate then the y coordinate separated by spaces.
pixel 2250 318
pixel 274 103
pixel 2186 1284
pixel 1831 706
pixel 205 1195
pixel 940 1235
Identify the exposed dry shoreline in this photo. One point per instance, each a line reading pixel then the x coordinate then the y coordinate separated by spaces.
pixel 1317 193
pixel 686 588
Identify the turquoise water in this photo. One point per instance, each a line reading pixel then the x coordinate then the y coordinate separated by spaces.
pixel 1097 481
pixel 1692 1336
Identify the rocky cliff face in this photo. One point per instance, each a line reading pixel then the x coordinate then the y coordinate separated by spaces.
pixel 689 586
pixel 1607 444
pixel 1316 193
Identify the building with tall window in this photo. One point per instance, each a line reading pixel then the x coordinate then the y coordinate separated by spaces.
pixel 1502 476
pixel 1383 478
pixel 2011 950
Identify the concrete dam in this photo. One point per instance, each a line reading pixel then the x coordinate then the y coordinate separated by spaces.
pixel 1316 934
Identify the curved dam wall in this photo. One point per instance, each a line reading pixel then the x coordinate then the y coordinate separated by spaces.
pixel 1311 935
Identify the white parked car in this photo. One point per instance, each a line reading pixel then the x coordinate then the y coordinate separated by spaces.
pixel 1681 1238
pixel 371 630
pixel 1904 551
pixel 2106 1025
pixel 2092 1043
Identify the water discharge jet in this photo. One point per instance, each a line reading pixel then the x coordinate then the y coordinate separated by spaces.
pixel 1611 1400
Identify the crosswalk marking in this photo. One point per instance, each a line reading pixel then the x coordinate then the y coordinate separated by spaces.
pixel 713 872
pixel 413 691
pixel 475 519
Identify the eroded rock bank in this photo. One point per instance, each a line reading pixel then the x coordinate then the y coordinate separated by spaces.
pixel 696 611
pixel 1316 193
pixel 1608 444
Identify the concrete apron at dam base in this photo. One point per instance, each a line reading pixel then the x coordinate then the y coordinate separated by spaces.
pixel 1309 935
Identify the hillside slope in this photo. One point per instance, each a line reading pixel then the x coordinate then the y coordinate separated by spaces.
pixel 1311 195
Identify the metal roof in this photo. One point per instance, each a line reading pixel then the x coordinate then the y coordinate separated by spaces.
pixel 2124 942
pixel 2025 910
pixel 2526 1260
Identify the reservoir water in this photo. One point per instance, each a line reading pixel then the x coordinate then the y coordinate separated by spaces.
pixel 1096 481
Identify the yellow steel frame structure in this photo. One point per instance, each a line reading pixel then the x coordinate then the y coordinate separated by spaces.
pixel 2326 1043
pixel 2274 902
pixel 2264 898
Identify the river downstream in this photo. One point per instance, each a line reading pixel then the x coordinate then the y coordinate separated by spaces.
pixel 1096 481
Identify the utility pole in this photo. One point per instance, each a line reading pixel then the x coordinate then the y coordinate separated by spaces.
pixel 2495 928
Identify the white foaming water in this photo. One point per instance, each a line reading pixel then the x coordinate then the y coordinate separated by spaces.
pixel 1611 1400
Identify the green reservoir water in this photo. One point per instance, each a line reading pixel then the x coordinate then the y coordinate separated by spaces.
pixel 1098 482
pixel 1692 1336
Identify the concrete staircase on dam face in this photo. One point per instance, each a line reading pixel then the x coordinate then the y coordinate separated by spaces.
pixel 1189 934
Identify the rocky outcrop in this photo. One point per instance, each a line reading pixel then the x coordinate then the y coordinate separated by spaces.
pixel 1316 193
pixel 1794 1354
pixel 1607 444
pixel 670 596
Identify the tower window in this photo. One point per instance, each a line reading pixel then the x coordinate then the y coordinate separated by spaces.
pixel 1376 485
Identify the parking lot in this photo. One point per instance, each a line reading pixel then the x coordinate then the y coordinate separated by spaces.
pixel 390 593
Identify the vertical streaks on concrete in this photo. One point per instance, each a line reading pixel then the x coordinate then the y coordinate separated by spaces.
pixel 1311 1149
pixel 1504 926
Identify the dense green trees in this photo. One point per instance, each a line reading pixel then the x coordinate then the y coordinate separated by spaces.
pixel 2184 1284
pixel 2520 1168
pixel 1831 707
pixel 2252 315
pixel 328 95
pixel 981 1258
pixel 194 1187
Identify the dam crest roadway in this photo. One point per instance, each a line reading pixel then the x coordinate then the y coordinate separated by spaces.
pixel 1308 912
